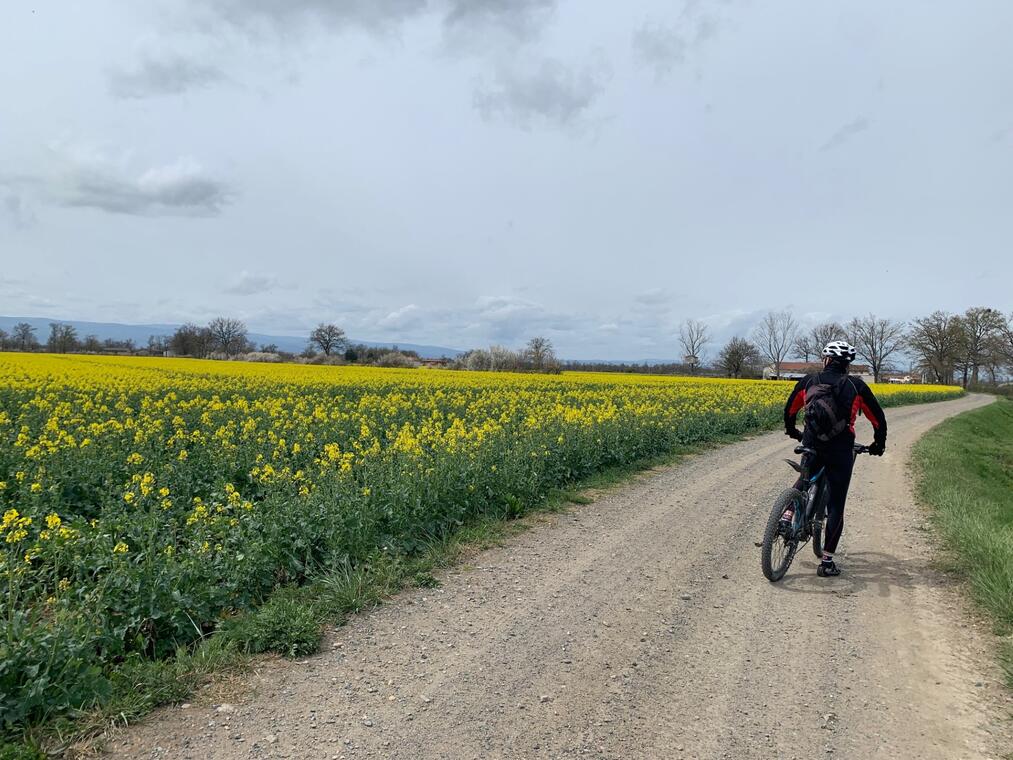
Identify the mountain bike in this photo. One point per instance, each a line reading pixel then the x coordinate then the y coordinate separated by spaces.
pixel 782 539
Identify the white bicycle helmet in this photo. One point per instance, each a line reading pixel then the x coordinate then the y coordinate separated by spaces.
pixel 839 349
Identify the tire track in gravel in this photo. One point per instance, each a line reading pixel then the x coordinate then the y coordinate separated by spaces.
pixel 640 626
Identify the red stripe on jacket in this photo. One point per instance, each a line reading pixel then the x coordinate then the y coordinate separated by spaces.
pixel 798 403
pixel 859 406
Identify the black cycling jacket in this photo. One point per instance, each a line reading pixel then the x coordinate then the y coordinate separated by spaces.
pixel 854 395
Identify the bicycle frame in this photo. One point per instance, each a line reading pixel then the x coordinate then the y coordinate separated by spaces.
pixel 815 496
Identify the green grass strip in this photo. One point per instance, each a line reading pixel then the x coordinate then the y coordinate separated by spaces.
pixel 965 475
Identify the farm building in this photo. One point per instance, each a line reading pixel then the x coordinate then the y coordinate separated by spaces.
pixel 796 370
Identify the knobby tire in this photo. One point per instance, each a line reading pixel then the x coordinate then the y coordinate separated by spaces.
pixel 773 538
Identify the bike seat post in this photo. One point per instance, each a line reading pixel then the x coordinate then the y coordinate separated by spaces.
pixel 806 463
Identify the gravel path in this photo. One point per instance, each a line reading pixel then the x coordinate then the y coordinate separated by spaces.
pixel 640 626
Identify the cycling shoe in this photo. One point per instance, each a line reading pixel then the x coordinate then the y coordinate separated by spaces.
pixel 827 569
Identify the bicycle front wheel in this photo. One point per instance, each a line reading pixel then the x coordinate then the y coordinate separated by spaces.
pixel 778 549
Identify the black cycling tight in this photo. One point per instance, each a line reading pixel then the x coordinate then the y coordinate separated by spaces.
pixel 839 460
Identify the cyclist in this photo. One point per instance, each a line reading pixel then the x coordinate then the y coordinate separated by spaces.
pixel 852 397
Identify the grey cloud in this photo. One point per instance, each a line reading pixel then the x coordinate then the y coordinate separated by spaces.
pixel 248 284
pixel 551 93
pixel 286 16
pixel 520 19
pixel 659 48
pixel 663 48
pixel 845 133
pixel 171 75
pixel 180 189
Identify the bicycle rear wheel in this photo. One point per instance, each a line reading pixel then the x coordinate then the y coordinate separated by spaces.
pixel 778 549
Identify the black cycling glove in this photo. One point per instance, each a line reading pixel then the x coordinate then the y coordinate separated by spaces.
pixel 876 448
pixel 793 433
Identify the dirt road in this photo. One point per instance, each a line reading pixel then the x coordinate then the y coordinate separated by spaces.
pixel 640 626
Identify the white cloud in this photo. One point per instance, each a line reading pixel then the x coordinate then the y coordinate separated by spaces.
pixel 86 177
pixel 405 317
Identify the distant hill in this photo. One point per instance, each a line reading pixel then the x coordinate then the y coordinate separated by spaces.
pixel 140 334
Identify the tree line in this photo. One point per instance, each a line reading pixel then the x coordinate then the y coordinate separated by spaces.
pixel 228 338
pixel 972 348
pixel 63 339
pixel 221 338
pixel 538 355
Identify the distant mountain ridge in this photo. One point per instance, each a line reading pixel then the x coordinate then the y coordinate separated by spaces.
pixel 140 334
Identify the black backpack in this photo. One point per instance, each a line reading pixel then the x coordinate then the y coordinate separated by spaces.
pixel 825 416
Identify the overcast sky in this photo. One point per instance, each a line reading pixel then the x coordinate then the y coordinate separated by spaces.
pixel 460 172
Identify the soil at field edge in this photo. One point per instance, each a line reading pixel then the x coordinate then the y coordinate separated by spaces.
pixel 640 626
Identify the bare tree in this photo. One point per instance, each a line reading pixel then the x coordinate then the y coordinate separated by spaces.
pixel 935 341
pixel 62 338
pixel 540 354
pixel 805 347
pixel 191 340
pixel 876 340
pixel 329 338
pixel 92 344
pixel 825 332
pixel 739 357
pixel 5 340
pixel 158 345
pixel 774 337
pixel 979 328
pixel 694 337
pixel 809 345
pixel 228 335
pixel 24 337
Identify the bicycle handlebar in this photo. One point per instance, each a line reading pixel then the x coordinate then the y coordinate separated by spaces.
pixel 858 449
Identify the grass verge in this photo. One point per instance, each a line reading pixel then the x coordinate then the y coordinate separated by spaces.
pixel 965 474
